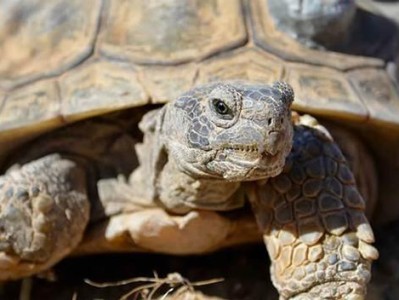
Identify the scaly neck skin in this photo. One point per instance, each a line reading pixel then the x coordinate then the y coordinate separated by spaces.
pixel 181 193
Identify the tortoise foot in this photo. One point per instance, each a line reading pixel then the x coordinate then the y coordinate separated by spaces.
pixel 43 212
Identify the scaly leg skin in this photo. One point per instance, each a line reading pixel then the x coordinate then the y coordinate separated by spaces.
pixel 314 225
pixel 43 213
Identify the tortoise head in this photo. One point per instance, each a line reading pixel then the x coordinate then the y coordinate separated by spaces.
pixel 234 131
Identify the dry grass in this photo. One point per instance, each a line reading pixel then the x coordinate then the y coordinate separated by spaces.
pixel 155 287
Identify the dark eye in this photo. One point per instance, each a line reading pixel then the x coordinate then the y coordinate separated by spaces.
pixel 220 107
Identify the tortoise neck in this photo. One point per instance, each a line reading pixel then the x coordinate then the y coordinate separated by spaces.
pixel 181 193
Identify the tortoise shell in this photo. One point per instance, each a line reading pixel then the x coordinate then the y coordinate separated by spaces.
pixel 63 61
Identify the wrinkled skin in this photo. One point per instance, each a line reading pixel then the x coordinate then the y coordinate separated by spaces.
pixel 211 149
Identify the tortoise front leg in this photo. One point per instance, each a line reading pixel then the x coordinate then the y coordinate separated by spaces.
pixel 314 225
pixel 43 212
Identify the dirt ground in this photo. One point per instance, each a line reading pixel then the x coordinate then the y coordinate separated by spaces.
pixel 245 273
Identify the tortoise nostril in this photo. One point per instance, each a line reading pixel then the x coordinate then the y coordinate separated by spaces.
pixel 269 121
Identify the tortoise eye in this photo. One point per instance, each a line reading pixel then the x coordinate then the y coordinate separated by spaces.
pixel 220 107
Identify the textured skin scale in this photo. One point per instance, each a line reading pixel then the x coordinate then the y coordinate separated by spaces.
pixel 304 199
pixel 201 126
pixel 313 223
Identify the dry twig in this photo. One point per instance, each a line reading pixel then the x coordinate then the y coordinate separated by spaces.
pixel 151 286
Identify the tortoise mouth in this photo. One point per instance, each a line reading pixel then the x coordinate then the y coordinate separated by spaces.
pixel 244 162
pixel 245 148
pixel 247 155
pixel 242 155
pixel 248 163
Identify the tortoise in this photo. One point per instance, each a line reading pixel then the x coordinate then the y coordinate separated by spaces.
pixel 76 77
